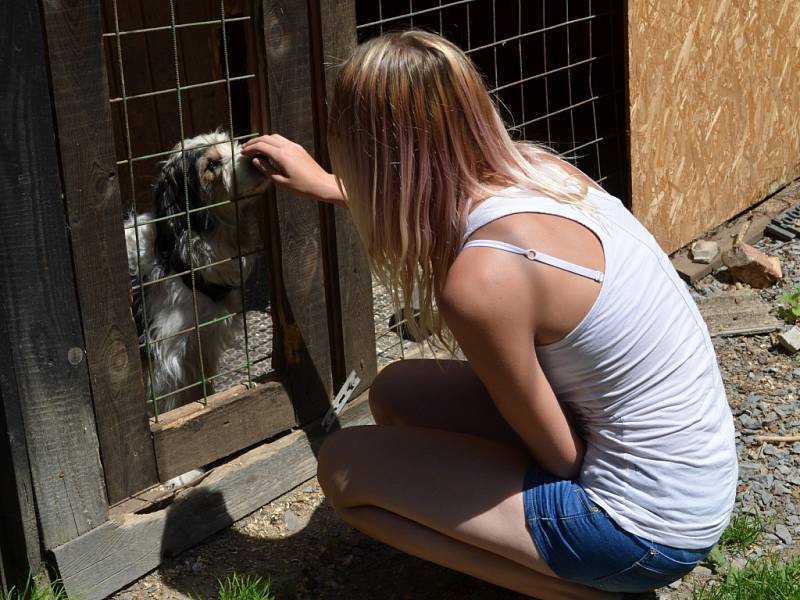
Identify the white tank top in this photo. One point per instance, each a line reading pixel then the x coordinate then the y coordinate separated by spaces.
pixel 641 377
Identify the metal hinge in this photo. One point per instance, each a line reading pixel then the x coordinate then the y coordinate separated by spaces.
pixel 343 395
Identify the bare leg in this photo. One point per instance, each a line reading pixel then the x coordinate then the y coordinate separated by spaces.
pixel 425 543
pixel 451 498
pixel 440 395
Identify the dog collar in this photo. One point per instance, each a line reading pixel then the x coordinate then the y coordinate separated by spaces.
pixel 212 290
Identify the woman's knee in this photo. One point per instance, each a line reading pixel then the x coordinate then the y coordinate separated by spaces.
pixel 387 391
pixel 335 463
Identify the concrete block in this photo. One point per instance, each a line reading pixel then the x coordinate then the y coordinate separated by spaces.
pixel 790 339
pixel 704 252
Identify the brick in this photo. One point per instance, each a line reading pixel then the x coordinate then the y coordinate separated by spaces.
pixel 751 266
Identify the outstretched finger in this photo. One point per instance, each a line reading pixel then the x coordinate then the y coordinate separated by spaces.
pixel 273 139
pixel 263 139
pixel 260 147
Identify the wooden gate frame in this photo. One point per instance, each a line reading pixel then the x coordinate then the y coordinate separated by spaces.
pixel 70 377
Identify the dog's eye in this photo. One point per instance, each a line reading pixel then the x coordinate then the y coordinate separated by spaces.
pixel 214 165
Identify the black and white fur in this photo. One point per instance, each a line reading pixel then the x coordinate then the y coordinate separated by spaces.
pixel 205 170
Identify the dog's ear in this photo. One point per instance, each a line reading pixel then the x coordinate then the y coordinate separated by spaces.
pixel 168 194
pixel 176 189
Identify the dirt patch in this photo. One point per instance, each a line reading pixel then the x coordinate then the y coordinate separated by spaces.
pixel 308 553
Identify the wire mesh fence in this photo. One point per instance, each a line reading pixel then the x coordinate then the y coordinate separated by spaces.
pixel 555 69
pixel 183 89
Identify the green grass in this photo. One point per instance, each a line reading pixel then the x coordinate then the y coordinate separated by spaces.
pixel 34 591
pixel 245 587
pixel 233 587
pixel 791 312
pixel 765 579
pixel 743 531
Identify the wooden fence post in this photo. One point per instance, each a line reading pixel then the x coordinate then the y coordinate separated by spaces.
pixel 334 25
pixel 94 210
pixel 45 378
pixel 302 320
pixel 19 542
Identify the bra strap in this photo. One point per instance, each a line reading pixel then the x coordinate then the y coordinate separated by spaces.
pixel 541 257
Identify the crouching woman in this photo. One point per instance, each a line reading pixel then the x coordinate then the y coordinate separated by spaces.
pixel 585 448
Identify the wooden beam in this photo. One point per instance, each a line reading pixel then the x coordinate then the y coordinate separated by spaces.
pixel 350 282
pixel 38 304
pixel 19 542
pixel 125 548
pixel 749 226
pixel 94 209
pixel 302 320
pixel 195 435
pixel 738 312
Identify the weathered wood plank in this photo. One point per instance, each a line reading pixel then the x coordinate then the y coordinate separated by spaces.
pixel 107 558
pixel 740 312
pixel 691 271
pixel 302 314
pixel 37 292
pixel 142 113
pixel 759 218
pixel 351 284
pixel 92 195
pixel 201 61
pixel 19 540
pixel 195 435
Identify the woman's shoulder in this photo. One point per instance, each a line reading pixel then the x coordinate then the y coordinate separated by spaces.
pixel 482 282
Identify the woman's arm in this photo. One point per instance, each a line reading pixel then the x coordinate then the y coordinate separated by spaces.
pixel 489 304
pixel 288 164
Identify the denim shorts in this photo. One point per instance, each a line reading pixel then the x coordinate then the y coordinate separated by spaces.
pixel 581 543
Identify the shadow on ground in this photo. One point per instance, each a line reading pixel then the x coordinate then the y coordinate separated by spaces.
pixel 323 558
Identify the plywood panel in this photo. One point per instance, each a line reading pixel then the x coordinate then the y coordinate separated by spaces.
pixel 714 109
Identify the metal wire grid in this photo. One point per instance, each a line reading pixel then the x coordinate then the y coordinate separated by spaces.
pixel 554 68
pixel 238 364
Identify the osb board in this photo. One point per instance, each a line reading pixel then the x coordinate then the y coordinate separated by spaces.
pixel 714 110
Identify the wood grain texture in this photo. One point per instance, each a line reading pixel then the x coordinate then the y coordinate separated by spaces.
pixel 195 435
pixel 94 210
pixel 38 302
pixel 19 541
pixel 302 319
pixel 206 108
pixel 740 312
pixel 714 110
pixel 352 282
pixel 136 51
pixel 750 225
pixel 102 561
pixel 691 271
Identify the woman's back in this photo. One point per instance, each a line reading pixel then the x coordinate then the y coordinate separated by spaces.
pixel 639 374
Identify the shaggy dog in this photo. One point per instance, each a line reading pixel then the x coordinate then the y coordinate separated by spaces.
pixel 185 266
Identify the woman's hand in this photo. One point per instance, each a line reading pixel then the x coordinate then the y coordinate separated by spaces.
pixel 288 164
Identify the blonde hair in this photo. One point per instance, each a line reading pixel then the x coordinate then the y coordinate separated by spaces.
pixel 416 141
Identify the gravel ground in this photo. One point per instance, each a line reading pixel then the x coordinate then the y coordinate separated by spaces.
pixel 309 554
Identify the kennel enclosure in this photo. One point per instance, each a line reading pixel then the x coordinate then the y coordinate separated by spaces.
pixel 81 447
pixel 96 93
